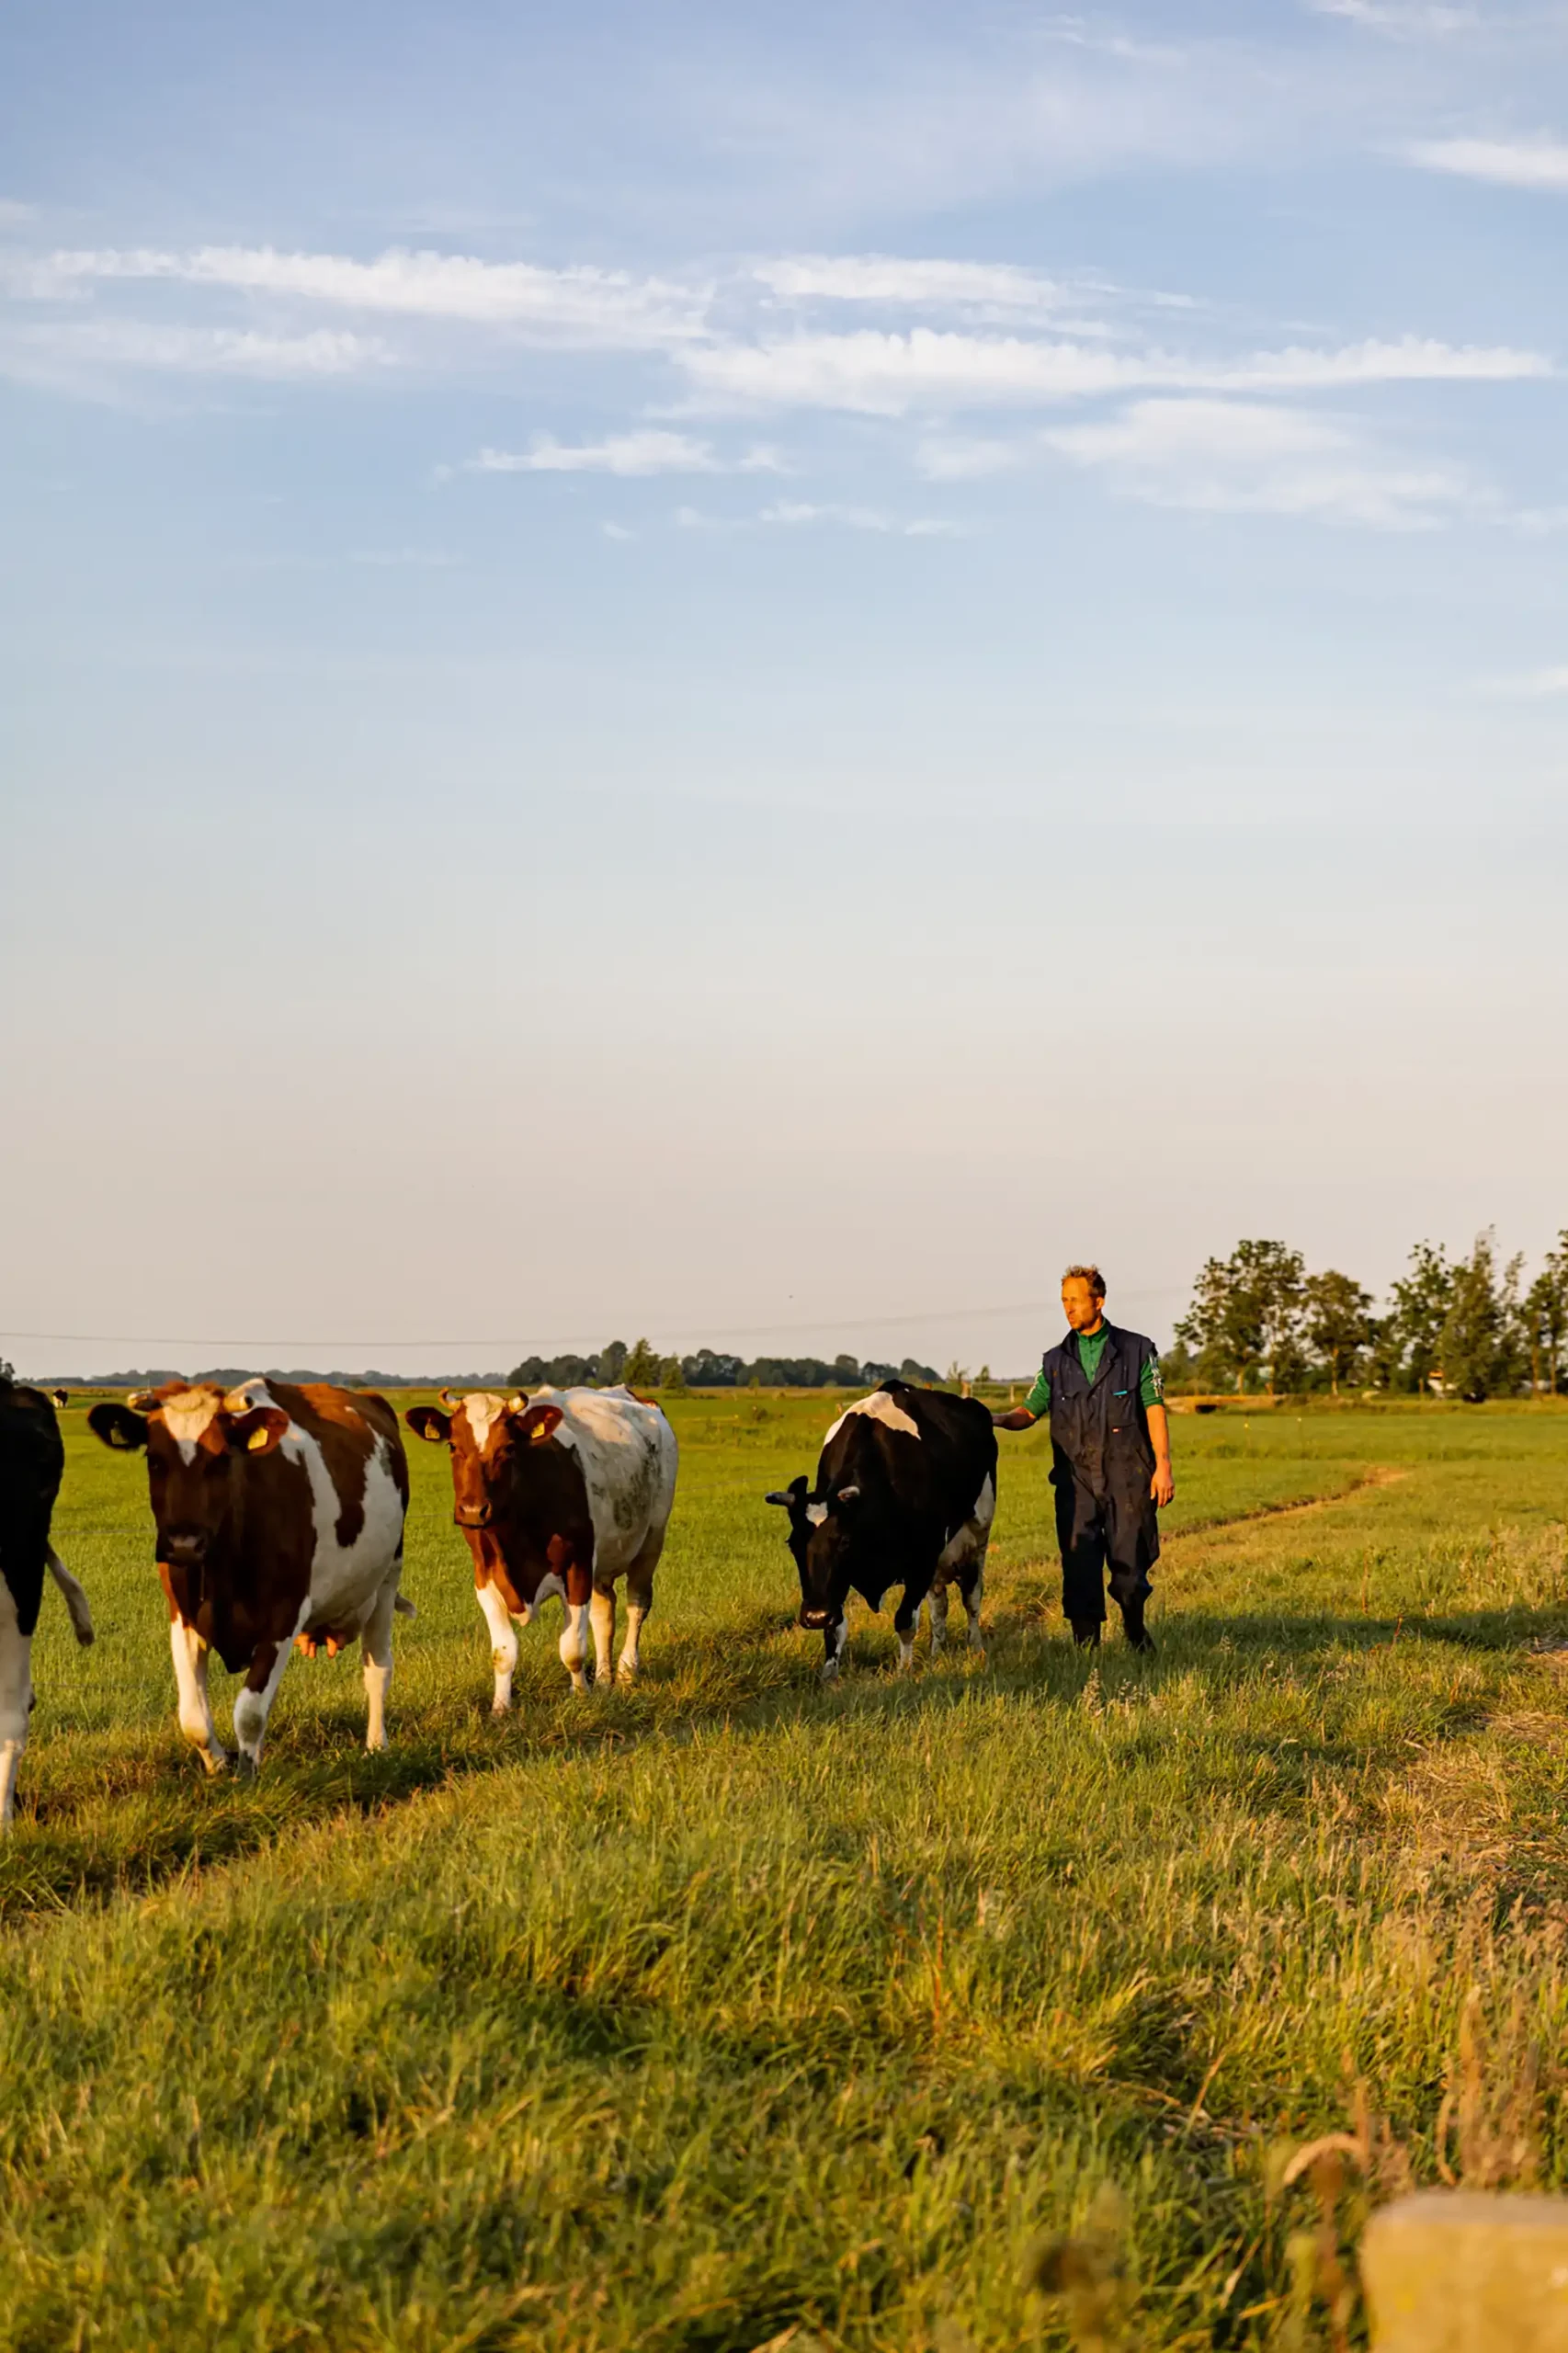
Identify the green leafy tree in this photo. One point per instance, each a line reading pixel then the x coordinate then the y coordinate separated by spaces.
pixel 1245 1315
pixel 1480 1344
pixel 672 1376
pixel 1546 1318
pixel 642 1367
pixel 1336 1324
pixel 612 1363
pixel 1413 1335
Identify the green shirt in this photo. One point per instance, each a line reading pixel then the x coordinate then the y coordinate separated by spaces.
pixel 1091 1347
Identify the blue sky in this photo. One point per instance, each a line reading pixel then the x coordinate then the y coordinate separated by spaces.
pixel 750 673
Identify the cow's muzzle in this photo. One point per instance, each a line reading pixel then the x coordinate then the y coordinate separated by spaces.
pixel 471 1515
pixel 815 1621
pixel 185 1548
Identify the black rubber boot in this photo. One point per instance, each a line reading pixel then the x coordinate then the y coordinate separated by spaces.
pixel 1138 1635
pixel 1085 1633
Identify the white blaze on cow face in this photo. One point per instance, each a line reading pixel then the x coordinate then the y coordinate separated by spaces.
pixel 189 1416
pixel 882 1408
pixel 485 1411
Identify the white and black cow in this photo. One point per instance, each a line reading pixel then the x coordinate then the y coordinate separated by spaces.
pixel 32 1461
pixel 559 1494
pixel 905 1493
pixel 278 1516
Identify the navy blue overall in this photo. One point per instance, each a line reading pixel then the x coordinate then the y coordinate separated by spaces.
pixel 1103 1461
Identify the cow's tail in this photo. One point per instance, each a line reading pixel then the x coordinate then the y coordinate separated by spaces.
pixel 403 1607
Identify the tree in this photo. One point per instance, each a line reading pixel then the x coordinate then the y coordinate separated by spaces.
pixel 1414 1333
pixel 672 1376
pixel 1336 1324
pixel 612 1363
pixel 642 1367
pixel 1246 1314
pixel 1480 1340
pixel 1546 1317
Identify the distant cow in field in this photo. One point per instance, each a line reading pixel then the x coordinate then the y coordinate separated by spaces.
pixel 32 1461
pixel 905 1493
pixel 563 1495
pixel 280 1518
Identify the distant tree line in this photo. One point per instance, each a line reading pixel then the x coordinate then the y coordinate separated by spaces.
pixel 1466 1327
pixel 641 1366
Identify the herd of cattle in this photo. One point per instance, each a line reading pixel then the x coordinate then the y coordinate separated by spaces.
pixel 279 1517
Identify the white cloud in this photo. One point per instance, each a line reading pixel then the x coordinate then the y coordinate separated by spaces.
pixel 75 348
pixel 578 306
pixel 887 374
pixel 647 450
pixel 1237 457
pixel 1539 163
pixel 892 279
pixel 616 532
pixel 794 512
pixel 1405 18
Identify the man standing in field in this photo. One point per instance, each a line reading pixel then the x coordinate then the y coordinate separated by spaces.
pixel 1111 1443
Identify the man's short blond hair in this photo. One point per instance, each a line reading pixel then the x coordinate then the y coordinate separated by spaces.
pixel 1091 1274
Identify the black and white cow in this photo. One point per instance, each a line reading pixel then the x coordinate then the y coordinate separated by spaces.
pixel 905 1493
pixel 32 1461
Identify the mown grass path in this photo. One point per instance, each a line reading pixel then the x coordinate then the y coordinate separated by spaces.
pixel 730 2007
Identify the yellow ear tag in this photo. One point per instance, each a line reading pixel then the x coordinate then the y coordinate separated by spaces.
pixel 257 1439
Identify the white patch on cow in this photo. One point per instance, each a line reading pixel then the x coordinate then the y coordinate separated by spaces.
pixel 628 1458
pixel 575 1644
pixel 817 1513
pixel 16 1698
pixel 837 1636
pixel 187 1417
pixel 601 1616
pixel 882 1408
pixel 974 1535
pixel 190 1681
pixel 503 1644
pixel 252 1708
pixel 485 1411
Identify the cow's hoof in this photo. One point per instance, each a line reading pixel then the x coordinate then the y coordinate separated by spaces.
pixel 829 1674
pixel 214 1761
pixel 245 1768
pixel 500 1707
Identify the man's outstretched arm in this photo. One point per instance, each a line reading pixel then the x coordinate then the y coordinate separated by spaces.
pixel 1162 1486
pixel 1018 1417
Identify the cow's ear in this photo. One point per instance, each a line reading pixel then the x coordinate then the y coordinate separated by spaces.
pixel 261 1431
pixel 429 1423
pixel 792 1497
pixel 119 1427
pixel 537 1422
pixel 846 1498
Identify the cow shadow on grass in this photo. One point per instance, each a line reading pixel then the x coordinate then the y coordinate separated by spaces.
pixel 133 1814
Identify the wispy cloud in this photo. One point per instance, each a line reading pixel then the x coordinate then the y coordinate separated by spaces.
pixel 1238 457
pixel 795 512
pixel 647 450
pixel 75 347
pixel 897 282
pixel 888 374
pixel 1406 19
pixel 1541 162
pixel 580 306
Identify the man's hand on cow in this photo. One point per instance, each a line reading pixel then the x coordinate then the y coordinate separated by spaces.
pixel 1162 1486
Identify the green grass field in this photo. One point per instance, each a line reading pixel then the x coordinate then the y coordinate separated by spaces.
pixel 731 2012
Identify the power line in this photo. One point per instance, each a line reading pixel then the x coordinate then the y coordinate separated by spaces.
pixel 735 1331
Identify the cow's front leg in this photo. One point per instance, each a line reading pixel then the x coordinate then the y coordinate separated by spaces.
pixel 190 1680
pixel 833 1639
pixel 502 1642
pixel 16 1698
pixel 376 1649
pixel 254 1703
pixel 906 1616
pixel 938 1615
pixel 973 1588
pixel 601 1613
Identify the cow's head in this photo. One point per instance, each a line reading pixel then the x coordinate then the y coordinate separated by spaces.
pixel 490 1439
pixel 197 1440
pixel 821 1538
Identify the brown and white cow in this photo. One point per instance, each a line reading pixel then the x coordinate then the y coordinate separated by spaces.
pixel 560 1495
pixel 280 1518
pixel 32 1461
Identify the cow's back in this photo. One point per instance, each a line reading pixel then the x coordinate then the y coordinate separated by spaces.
pixel 629 1458
pixel 919 1454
